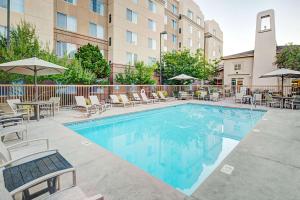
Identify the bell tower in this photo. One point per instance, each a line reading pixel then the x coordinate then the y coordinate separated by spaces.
pixel 265 48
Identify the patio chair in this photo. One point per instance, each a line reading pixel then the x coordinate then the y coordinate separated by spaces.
pixel 162 96
pixel 24 111
pixel 81 103
pixel 203 95
pixel 214 96
pixel 56 101
pixel 125 100
pixel 116 101
pixel 257 98
pixel 182 95
pixel 293 103
pixel 270 101
pixel 239 97
pixel 136 98
pixel 13 125
pixel 145 98
pixel 156 98
pixel 95 102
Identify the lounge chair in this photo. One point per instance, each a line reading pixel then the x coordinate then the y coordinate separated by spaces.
pixel 203 95
pixel 270 101
pixel 145 98
pixel 156 98
pixel 184 95
pixel 12 125
pixel 25 111
pixel 56 101
pixel 116 101
pixel 95 102
pixel 162 96
pixel 293 102
pixel 81 103
pixel 136 98
pixel 257 99
pixel 239 98
pixel 125 100
pixel 214 96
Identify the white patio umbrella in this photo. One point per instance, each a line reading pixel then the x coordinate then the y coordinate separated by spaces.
pixel 183 77
pixel 32 67
pixel 282 73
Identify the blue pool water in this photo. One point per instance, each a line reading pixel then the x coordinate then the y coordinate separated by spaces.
pixel 179 145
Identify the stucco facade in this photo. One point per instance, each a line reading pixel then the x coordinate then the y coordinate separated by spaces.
pixel 214 43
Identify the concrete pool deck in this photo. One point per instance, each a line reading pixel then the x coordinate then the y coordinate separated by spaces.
pixel 266 162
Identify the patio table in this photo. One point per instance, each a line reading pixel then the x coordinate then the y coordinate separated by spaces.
pixel 36 105
pixel 282 99
pixel 19 175
pixel 247 99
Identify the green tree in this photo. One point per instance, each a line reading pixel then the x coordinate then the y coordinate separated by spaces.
pixel 139 74
pixel 289 57
pixel 184 62
pixel 92 59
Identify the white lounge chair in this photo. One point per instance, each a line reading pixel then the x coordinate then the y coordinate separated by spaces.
pixel 136 98
pixel 239 97
pixel 214 96
pixel 56 101
pixel 182 95
pixel 257 98
pixel 203 95
pixel 145 98
pixel 162 96
pixel 81 103
pixel 294 102
pixel 156 98
pixel 125 100
pixel 13 125
pixel 115 100
pixel 25 112
pixel 95 102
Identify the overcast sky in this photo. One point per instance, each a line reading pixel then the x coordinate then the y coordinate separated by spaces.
pixel 237 19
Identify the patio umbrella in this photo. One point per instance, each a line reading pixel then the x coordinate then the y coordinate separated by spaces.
pixel 32 67
pixel 282 73
pixel 183 77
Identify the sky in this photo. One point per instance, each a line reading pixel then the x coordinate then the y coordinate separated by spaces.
pixel 237 19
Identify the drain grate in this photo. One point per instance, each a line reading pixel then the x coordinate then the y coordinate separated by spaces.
pixel 227 169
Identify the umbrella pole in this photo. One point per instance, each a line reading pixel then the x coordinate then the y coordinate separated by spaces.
pixel 282 85
pixel 35 85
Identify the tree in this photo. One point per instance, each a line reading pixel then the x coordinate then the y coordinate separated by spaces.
pixel 184 62
pixel 289 57
pixel 92 59
pixel 139 74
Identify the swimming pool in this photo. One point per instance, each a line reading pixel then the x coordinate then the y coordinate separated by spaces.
pixel 180 145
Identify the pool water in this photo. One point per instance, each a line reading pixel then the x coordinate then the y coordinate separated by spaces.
pixel 180 145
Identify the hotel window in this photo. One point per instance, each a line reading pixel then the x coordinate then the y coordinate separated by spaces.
pixel 71 1
pixel 3 31
pixel 179 30
pixel 165 49
pixel 214 53
pixel 131 37
pixel 190 29
pixel 190 42
pixel 66 22
pixel 190 14
pixel 97 6
pixel 174 9
pixel 166 19
pixel 151 43
pixel 179 44
pixel 265 23
pixel 165 36
pixel 151 61
pixel 96 30
pixel 64 48
pixel 131 58
pixel 131 16
pixel 151 25
pixel 15 5
pixel 151 6
pixel 174 39
pixel 109 41
pixel 237 66
pixel 199 34
pixel 102 52
pixel 109 18
pixel 174 24
pixel 198 20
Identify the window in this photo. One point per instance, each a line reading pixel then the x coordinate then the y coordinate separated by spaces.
pixel 190 29
pixel 15 5
pixel 165 36
pixel 166 4
pixel 151 43
pixel 174 24
pixel 166 19
pixel 131 58
pixel 179 44
pixel 64 48
pixel 3 31
pixel 165 49
pixel 198 20
pixel 190 14
pixel 131 37
pixel 179 30
pixel 199 34
pixel 71 1
pixel 66 22
pixel 109 41
pixel 190 42
pixel 97 6
pixel 237 66
pixel 131 16
pixel 96 30
pixel 265 23
pixel 174 9
pixel 151 61
pixel 151 25
pixel 109 18
pixel 214 53
pixel 151 6
pixel 174 39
